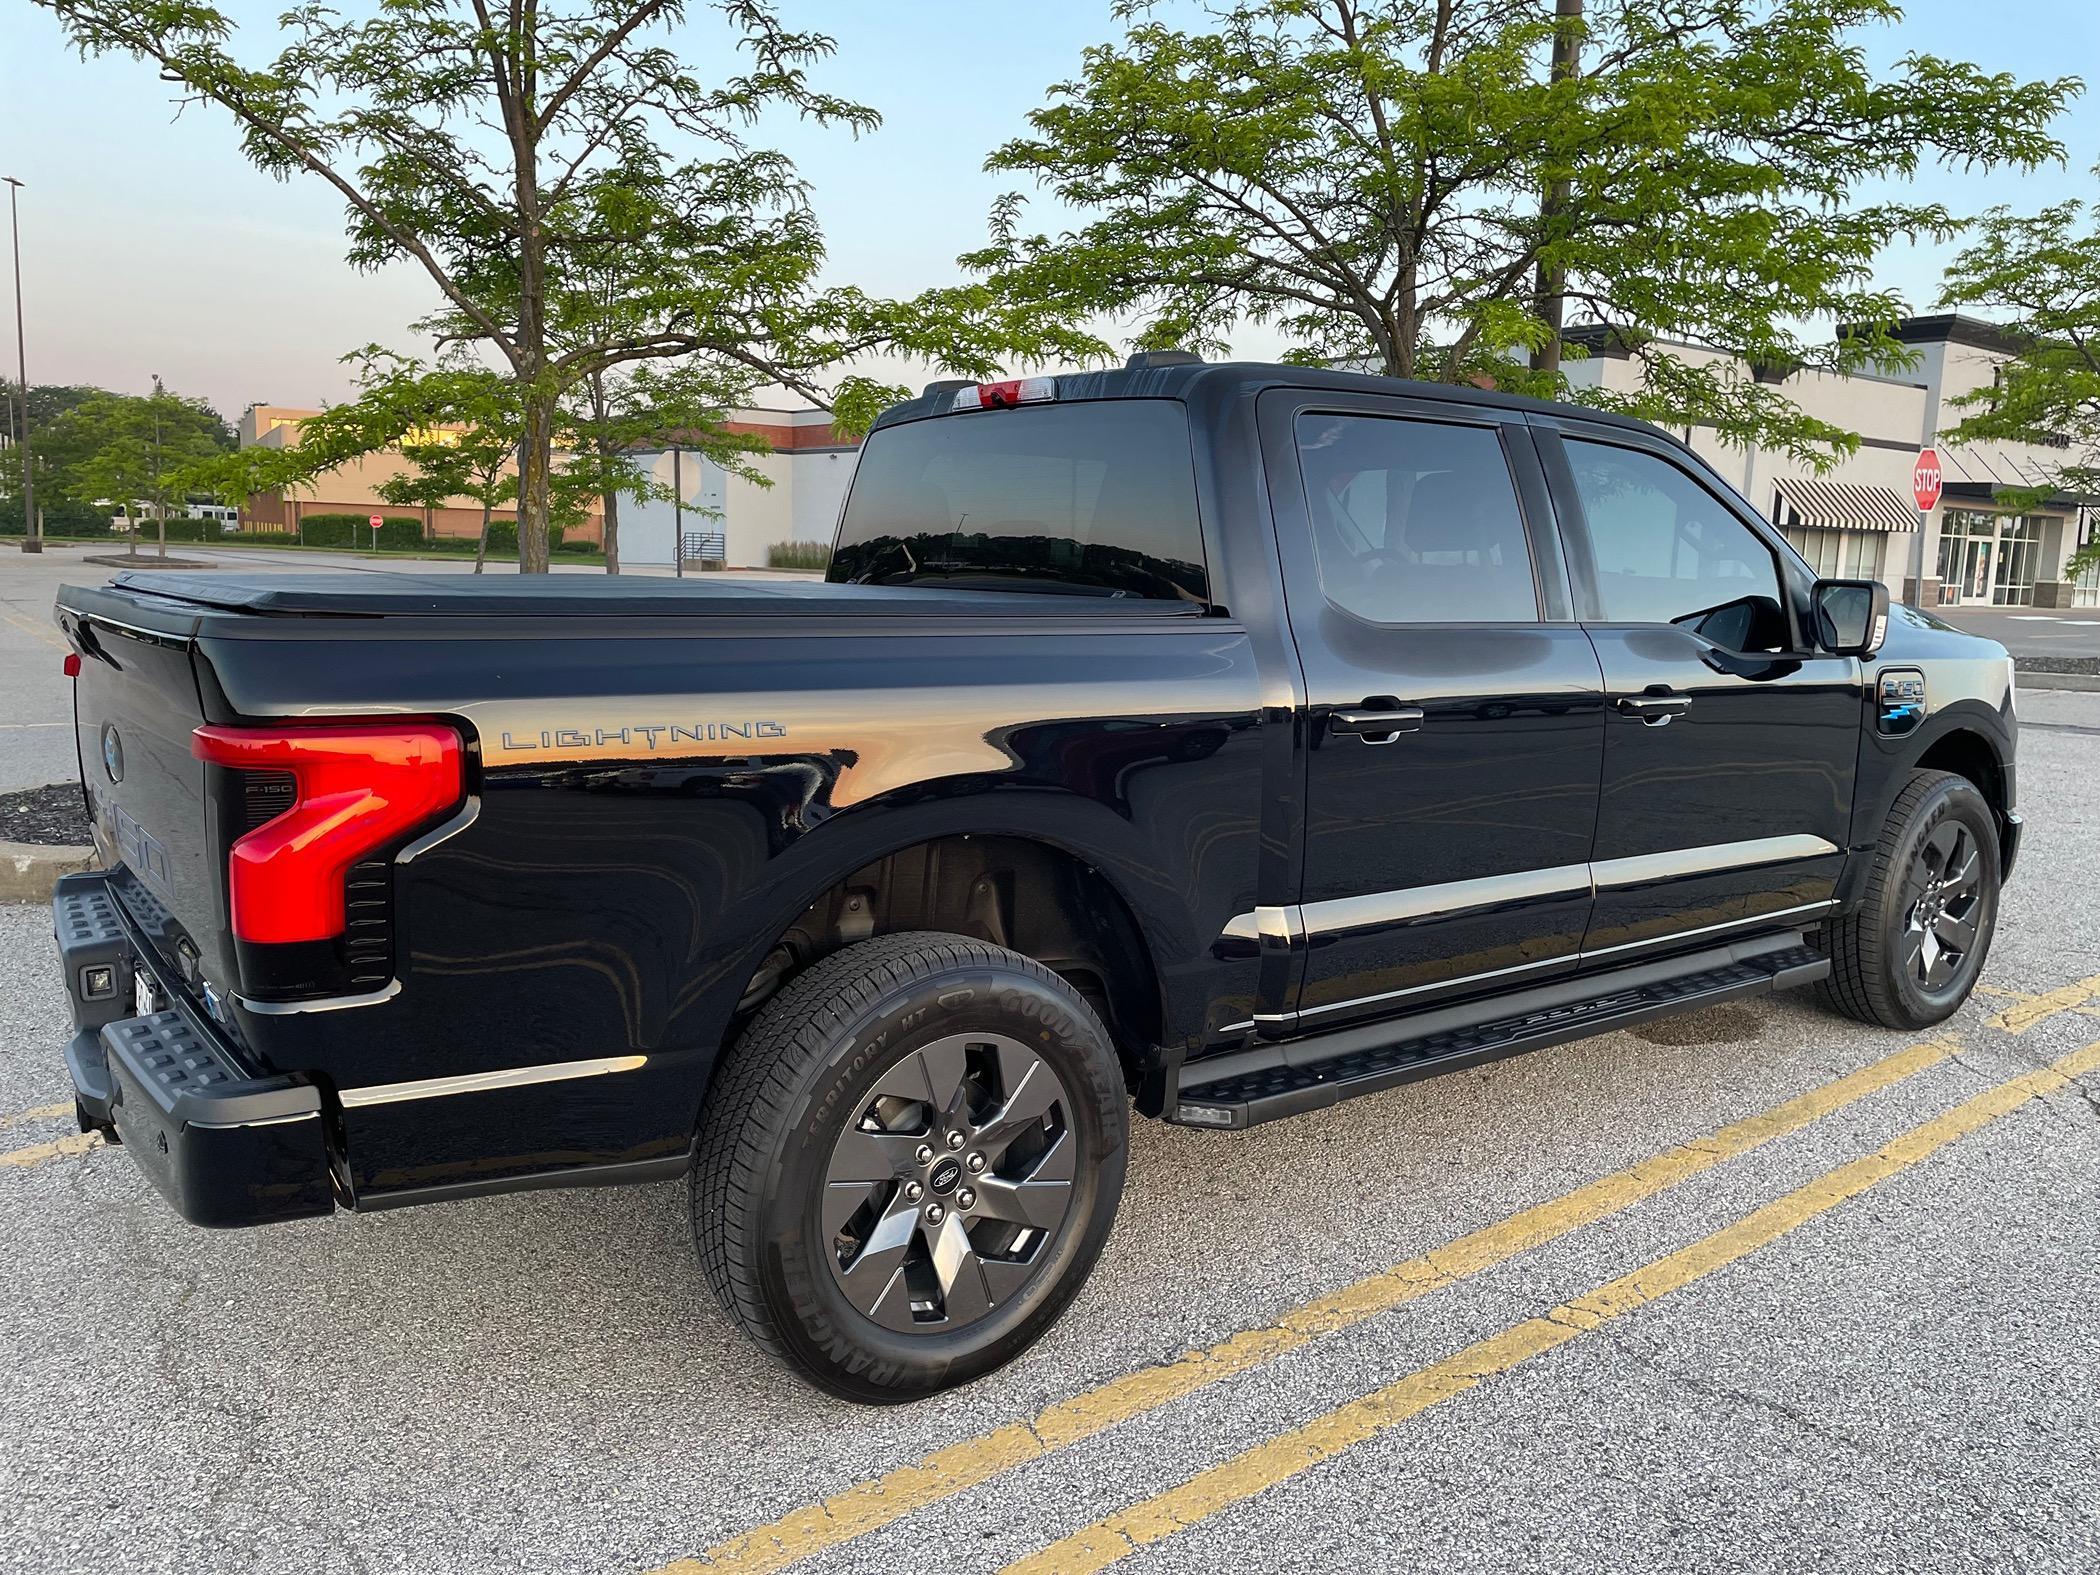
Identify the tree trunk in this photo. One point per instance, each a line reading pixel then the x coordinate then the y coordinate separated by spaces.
pixel 535 494
pixel 481 547
pixel 160 525
pixel 611 501
pixel 1553 281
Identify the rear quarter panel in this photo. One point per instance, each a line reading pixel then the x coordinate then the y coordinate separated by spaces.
pixel 656 800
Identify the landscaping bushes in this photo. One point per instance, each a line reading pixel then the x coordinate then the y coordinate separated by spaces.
pixel 798 555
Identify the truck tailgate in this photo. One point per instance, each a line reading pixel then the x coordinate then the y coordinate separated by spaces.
pixel 135 705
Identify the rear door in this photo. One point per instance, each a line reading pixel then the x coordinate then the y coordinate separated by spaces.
pixel 1455 710
pixel 1729 749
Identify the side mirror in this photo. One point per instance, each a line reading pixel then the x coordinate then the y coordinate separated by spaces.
pixel 1852 616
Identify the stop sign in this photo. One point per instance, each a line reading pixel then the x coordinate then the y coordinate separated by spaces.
pixel 1925 479
pixel 377 521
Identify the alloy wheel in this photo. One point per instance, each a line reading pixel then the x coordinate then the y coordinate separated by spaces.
pixel 950 1184
pixel 1943 905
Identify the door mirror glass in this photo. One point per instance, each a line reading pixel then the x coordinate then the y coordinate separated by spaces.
pixel 1852 616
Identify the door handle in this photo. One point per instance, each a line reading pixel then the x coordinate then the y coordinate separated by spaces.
pixel 1655 710
pixel 1377 727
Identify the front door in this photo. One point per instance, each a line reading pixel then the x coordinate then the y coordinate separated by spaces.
pixel 1729 753
pixel 1454 724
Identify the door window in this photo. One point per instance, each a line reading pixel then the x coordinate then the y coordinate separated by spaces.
pixel 1666 550
pixel 1415 521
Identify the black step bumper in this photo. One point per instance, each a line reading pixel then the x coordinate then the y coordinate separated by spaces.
pixel 225 1145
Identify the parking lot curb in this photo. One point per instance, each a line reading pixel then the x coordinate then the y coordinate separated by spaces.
pixel 28 870
pixel 2029 679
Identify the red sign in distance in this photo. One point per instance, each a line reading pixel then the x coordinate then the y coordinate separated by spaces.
pixel 1925 479
pixel 376 521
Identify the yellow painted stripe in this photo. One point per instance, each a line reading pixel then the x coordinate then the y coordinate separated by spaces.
pixel 78 1143
pixel 868 1506
pixel 38 1113
pixel 2023 1015
pixel 1290 1454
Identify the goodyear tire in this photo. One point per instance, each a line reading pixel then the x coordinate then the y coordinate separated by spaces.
pixel 1912 951
pixel 909 1163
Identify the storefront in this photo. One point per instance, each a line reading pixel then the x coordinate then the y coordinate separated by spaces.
pixel 1844 529
pixel 1989 558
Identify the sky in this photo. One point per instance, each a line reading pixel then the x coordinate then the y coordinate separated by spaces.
pixel 150 245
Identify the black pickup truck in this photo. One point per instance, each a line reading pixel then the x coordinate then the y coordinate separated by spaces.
pixel 1219 740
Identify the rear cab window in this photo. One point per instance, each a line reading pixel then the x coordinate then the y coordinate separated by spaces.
pixel 1096 497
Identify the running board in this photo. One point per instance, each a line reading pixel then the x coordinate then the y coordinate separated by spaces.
pixel 1248 1087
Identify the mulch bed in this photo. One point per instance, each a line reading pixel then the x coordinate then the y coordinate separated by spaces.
pixel 54 816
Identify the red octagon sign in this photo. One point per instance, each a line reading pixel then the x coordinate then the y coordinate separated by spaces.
pixel 1925 479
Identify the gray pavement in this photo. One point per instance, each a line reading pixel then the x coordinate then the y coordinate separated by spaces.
pixel 2032 631
pixel 542 1383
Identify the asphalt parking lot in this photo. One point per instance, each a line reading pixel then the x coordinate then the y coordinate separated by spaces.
pixel 1757 1289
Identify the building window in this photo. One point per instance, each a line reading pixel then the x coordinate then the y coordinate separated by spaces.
pixel 1989 559
pixel 1838 554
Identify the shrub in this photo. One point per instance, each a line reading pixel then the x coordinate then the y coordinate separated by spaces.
pixel 400 534
pixel 330 530
pixel 576 546
pixel 798 555
pixel 264 538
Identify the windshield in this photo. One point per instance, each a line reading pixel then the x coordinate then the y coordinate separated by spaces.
pixel 1096 497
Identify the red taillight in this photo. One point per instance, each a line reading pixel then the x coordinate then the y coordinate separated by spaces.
pixel 72 664
pixel 1004 396
pixel 358 788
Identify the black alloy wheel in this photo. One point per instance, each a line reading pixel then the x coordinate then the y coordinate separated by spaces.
pixel 1914 944
pixel 909 1162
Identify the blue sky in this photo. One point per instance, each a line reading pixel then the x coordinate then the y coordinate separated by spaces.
pixel 150 245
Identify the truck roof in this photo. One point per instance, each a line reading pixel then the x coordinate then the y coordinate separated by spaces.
pixel 1192 380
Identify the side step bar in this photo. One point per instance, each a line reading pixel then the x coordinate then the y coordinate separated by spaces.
pixel 1247 1087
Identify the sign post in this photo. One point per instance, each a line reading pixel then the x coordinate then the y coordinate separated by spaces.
pixel 1925 492
pixel 374 521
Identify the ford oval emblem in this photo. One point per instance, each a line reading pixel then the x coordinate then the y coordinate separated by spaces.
pixel 112 754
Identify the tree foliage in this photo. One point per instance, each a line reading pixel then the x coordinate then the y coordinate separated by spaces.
pixel 580 198
pixel 2040 275
pixel 1366 176
pixel 128 452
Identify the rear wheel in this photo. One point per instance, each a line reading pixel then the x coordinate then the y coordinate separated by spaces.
pixel 1912 952
pixel 909 1164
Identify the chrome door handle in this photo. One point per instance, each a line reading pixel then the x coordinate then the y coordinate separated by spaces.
pixel 1376 727
pixel 1655 710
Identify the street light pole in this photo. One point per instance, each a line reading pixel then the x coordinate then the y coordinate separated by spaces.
pixel 32 534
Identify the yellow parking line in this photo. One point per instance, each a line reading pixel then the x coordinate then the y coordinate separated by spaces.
pixel 877 1502
pixel 78 1143
pixel 1290 1454
pixel 48 636
pixel 2023 1015
pixel 38 1113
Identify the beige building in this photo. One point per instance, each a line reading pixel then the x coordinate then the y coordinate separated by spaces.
pixel 1859 520
pixel 720 516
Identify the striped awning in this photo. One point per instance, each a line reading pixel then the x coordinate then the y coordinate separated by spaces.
pixel 1848 505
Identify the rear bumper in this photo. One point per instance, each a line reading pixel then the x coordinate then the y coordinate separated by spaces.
pixel 224 1144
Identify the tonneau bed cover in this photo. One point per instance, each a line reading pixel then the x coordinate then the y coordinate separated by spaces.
pixel 356 593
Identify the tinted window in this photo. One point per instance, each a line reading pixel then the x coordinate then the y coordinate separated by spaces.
pixel 1098 496
pixel 1669 551
pixel 1415 521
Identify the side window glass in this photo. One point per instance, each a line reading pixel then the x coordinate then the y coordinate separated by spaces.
pixel 1669 551
pixel 1415 521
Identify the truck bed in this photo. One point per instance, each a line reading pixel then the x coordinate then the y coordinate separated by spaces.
pixel 360 594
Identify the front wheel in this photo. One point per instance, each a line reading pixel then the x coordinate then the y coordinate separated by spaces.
pixel 1912 951
pixel 909 1163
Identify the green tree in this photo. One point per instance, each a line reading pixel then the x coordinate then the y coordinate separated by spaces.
pixel 439 475
pixel 2040 276
pixel 516 154
pixel 1412 185
pixel 131 452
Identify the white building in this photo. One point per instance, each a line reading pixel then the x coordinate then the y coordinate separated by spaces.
pixel 1859 520
pixel 808 466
